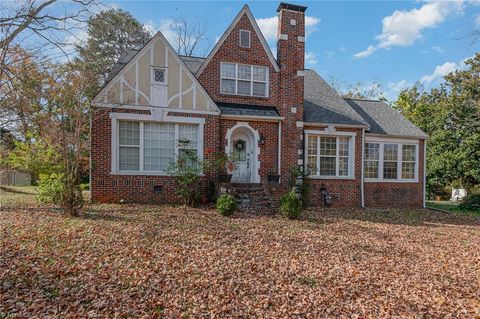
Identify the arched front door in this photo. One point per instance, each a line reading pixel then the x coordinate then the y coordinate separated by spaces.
pixel 243 145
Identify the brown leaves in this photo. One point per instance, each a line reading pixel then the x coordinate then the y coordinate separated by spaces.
pixel 165 262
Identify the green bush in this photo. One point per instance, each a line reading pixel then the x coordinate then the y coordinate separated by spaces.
pixel 50 188
pixel 290 205
pixel 226 204
pixel 85 186
pixel 471 202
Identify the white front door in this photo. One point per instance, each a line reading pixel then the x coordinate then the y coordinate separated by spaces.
pixel 242 154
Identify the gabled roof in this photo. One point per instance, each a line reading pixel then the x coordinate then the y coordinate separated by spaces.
pixel 324 105
pixel 130 57
pixel 245 10
pixel 384 120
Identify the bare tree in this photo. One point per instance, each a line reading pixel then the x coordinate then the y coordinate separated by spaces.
pixel 189 36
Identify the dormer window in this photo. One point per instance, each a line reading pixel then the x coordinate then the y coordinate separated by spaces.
pixel 242 79
pixel 244 39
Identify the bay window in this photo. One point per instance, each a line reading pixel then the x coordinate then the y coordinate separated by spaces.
pixel 152 147
pixel 390 161
pixel 241 79
pixel 329 156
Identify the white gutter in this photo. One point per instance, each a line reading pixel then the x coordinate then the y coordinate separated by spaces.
pixel 424 172
pixel 335 125
pixel 362 183
pixel 279 148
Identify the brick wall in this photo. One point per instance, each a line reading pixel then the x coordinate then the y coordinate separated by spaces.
pixel 107 188
pixel 230 51
pixel 290 56
pixel 345 192
pixel 392 194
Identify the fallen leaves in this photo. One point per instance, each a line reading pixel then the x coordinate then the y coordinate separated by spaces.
pixel 167 262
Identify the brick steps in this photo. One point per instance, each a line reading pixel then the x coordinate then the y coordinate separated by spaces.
pixel 251 198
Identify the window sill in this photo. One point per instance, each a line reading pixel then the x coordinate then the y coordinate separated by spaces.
pixel 375 180
pixel 244 96
pixel 136 173
pixel 331 177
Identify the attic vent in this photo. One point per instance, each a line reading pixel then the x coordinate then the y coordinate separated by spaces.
pixel 244 39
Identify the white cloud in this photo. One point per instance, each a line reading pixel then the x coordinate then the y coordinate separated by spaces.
pixel 329 55
pixel 438 49
pixel 440 72
pixel 403 28
pixel 310 58
pixel 269 26
pixel 398 86
pixel 365 53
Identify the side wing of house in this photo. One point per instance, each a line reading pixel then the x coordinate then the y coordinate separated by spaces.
pixel 155 77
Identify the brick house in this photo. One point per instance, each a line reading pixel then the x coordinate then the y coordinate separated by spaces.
pixel 271 112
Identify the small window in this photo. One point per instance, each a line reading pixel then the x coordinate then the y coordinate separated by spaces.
pixel 159 75
pixel 245 39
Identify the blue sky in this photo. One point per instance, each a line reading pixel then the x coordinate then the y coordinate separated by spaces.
pixel 395 43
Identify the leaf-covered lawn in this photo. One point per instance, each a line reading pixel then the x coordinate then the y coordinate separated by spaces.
pixel 165 262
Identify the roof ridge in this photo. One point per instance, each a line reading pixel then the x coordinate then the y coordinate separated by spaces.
pixel 191 56
pixel 360 99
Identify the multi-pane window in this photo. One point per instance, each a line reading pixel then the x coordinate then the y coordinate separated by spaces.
pixel 129 146
pixel 159 75
pixel 372 157
pixel 243 79
pixel 390 161
pixel 160 144
pixel 328 156
pixel 408 161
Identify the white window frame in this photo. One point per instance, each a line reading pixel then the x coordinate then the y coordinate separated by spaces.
pixel 240 39
pixel 351 153
pixel 116 117
pixel 399 143
pixel 236 79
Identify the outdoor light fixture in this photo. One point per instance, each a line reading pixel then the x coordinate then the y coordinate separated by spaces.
pixel 261 141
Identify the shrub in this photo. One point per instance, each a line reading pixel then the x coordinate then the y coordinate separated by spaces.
pixel 226 204
pixel 471 202
pixel 50 188
pixel 290 205
pixel 85 186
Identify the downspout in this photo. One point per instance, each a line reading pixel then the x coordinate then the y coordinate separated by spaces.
pixel 362 183
pixel 279 159
pixel 90 158
pixel 424 172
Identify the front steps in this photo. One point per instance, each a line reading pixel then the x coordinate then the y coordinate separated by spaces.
pixel 251 198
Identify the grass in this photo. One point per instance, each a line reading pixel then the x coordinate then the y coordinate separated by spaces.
pixel 450 206
pixel 131 261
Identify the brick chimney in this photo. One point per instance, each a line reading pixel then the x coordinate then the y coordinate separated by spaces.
pixel 290 56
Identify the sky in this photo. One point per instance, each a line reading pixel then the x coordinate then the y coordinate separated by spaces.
pixel 395 43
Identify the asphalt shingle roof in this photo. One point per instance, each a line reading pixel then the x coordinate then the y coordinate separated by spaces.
pixel 385 120
pixel 123 60
pixel 249 110
pixel 193 63
pixel 324 105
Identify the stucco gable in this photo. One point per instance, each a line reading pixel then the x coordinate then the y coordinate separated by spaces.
pixel 134 84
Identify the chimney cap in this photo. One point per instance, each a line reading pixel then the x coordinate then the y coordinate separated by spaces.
pixel 289 6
